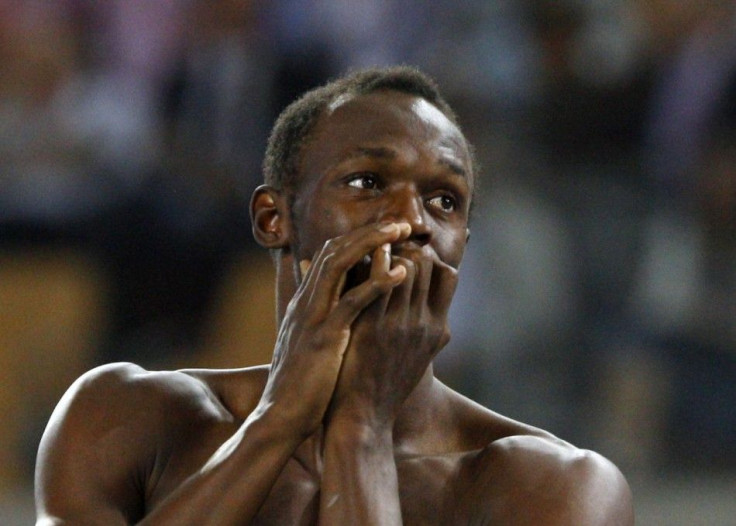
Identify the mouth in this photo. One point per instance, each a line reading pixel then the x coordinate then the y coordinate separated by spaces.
pixel 362 270
pixel 358 274
pixel 411 251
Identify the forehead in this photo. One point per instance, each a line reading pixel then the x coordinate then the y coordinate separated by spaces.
pixel 383 119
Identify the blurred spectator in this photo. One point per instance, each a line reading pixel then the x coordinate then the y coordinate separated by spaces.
pixel 590 127
pixel 48 149
pixel 170 247
pixel 558 249
pixel 697 339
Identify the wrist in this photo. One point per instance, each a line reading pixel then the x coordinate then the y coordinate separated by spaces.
pixel 359 426
pixel 361 410
pixel 278 425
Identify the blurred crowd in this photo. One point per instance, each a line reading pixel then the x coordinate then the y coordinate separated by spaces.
pixel 598 294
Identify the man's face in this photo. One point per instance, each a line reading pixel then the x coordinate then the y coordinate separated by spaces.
pixel 385 156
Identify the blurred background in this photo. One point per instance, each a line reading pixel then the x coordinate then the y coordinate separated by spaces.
pixel 598 295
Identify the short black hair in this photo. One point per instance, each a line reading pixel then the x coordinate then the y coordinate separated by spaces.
pixel 296 122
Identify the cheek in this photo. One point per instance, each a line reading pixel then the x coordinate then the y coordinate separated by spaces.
pixel 341 218
pixel 335 221
pixel 320 224
pixel 452 248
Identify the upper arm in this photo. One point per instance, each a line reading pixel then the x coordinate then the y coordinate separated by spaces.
pixel 91 457
pixel 596 493
pixel 530 480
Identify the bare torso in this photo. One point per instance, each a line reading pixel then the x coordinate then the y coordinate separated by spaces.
pixel 124 440
pixel 188 415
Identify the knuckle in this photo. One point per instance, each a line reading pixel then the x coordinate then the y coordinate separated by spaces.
pixel 331 245
pixel 448 273
pixel 409 265
pixel 351 301
pixel 333 265
pixel 328 261
pixel 317 340
pixel 444 337
pixel 379 285
pixel 416 334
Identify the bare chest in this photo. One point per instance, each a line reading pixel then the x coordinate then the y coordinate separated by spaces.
pixel 428 486
pixel 427 493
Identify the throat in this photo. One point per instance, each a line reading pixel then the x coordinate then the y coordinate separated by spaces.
pixel 420 426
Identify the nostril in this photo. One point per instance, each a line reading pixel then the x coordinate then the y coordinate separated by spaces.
pixel 406 206
pixel 420 238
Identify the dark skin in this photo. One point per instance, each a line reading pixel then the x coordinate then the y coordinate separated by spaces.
pixel 348 424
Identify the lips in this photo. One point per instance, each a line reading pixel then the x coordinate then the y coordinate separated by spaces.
pixel 358 274
pixel 412 251
pixel 361 271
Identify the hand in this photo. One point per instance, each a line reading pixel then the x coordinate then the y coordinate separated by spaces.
pixel 394 340
pixel 317 326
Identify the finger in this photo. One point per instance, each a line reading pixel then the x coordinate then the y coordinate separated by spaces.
pixel 340 254
pixel 310 282
pixel 381 270
pixel 349 249
pixel 381 260
pixel 401 295
pixel 442 288
pixel 357 299
pixel 422 283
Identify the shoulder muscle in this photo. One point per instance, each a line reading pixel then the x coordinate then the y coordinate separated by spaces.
pixel 99 447
pixel 541 480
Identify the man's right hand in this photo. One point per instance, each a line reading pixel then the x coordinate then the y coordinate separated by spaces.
pixel 394 340
pixel 316 328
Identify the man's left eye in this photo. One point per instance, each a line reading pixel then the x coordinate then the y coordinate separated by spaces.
pixel 363 181
pixel 444 202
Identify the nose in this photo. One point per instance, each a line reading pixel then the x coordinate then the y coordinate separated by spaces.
pixel 407 205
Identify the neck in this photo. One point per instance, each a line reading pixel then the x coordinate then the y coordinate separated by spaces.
pixel 286 283
pixel 417 426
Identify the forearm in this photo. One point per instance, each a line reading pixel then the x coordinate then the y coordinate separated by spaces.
pixel 231 487
pixel 359 480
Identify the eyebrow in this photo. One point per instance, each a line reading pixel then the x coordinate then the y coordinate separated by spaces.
pixel 454 167
pixel 381 152
pixel 377 152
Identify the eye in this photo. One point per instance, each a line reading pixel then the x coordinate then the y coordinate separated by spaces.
pixel 364 181
pixel 446 203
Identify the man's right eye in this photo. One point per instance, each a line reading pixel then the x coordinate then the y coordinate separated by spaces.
pixel 364 181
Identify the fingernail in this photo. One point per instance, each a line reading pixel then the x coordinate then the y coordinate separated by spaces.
pixel 386 247
pixel 405 228
pixel 304 266
pixel 391 227
pixel 397 271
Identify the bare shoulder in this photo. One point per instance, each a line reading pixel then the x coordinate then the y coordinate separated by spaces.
pixel 125 396
pixel 552 481
pixel 477 426
pixel 520 474
pixel 103 446
pixel 102 439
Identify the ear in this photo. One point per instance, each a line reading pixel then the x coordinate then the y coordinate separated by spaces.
pixel 270 218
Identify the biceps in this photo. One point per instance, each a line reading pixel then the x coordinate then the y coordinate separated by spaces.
pixel 79 482
pixel 68 497
pixel 89 458
pixel 70 494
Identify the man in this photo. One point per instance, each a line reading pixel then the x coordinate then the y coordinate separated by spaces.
pixel 369 185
